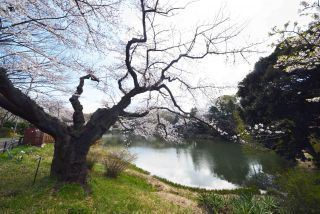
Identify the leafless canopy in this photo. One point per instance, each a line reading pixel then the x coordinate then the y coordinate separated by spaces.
pixel 155 57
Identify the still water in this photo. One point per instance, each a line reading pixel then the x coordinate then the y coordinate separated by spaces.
pixel 211 164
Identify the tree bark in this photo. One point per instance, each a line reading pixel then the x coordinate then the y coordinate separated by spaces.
pixel 71 148
pixel 69 160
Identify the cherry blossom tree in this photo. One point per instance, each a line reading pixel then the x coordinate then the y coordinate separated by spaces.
pixel 149 68
pixel 303 45
pixel 40 40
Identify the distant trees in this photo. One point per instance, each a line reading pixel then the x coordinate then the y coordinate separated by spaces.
pixel 221 114
pixel 283 100
pixel 220 119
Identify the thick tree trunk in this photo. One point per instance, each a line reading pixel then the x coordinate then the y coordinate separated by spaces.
pixel 69 160
pixel 70 152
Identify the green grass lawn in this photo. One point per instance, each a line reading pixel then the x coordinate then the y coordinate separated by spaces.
pixel 126 194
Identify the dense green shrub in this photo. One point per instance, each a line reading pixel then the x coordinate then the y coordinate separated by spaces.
pixel 303 191
pixel 241 204
pixel 250 204
pixel 214 203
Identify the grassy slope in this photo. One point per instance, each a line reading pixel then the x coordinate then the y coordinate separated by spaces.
pixel 126 194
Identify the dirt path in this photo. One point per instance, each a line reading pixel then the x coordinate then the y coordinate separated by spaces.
pixel 174 195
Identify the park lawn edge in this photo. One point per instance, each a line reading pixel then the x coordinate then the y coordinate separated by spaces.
pixel 131 192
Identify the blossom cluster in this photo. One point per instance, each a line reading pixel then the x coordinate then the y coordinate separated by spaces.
pixel 304 43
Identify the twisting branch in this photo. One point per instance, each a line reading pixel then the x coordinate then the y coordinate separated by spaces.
pixel 172 98
pixel 78 117
pixel 136 41
pixel 120 83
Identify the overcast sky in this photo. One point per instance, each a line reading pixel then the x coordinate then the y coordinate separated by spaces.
pixel 259 16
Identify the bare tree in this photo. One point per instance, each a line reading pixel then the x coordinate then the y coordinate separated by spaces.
pixel 150 69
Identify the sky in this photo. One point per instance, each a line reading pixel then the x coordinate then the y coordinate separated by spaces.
pixel 258 17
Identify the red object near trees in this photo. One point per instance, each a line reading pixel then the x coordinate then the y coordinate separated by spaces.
pixel 35 137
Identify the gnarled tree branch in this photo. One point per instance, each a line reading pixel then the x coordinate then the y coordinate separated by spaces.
pixel 78 117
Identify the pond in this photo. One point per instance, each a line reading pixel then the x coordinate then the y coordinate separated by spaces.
pixel 210 164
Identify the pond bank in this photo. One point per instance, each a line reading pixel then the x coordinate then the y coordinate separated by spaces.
pixel 133 191
pixel 207 164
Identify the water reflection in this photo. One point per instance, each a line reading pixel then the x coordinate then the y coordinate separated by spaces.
pixel 214 164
